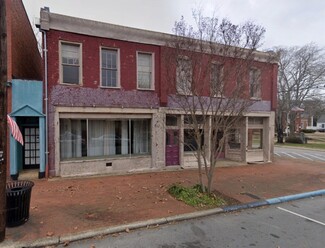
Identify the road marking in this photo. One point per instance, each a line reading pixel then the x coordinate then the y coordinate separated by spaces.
pixel 317 157
pixel 302 156
pixel 277 154
pixel 302 216
pixel 288 154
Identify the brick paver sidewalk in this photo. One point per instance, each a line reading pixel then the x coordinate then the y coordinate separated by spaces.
pixel 67 206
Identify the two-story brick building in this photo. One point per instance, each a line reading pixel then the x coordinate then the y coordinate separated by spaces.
pixel 108 104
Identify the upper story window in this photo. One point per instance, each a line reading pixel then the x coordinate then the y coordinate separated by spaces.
pixel 109 67
pixel 217 84
pixel 145 76
pixel 70 63
pixel 184 76
pixel 254 83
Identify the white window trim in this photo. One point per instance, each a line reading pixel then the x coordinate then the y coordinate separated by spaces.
pixel 118 76
pixel 80 83
pixel 152 86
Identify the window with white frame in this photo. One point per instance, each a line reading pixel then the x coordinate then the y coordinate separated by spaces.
pixel 70 63
pixel 216 86
pixel 109 68
pixel 254 83
pixel 145 76
pixel 104 137
pixel 184 76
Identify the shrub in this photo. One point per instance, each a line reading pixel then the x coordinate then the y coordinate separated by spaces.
pixel 295 140
pixel 194 197
pixel 308 131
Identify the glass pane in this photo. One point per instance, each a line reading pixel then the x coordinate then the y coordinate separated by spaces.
pixel 72 138
pixel 141 136
pixel 171 120
pixel 70 54
pixel 255 138
pixel 144 65
pixel 71 74
pixel 27 161
pixel 109 59
pixel 144 80
pixel 234 139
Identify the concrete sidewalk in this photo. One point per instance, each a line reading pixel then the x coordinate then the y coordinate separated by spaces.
pixel 64 207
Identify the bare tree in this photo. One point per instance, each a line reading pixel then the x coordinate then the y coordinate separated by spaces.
pixel 208 77
pixel 301 77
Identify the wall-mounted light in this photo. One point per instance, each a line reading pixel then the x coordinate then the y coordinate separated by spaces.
pixel 8 84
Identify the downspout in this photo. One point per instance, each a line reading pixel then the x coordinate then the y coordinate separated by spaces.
pixel 46 104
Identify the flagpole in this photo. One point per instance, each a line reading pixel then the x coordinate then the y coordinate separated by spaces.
pixel 3 117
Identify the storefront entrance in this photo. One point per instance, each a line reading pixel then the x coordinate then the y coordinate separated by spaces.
pixel 31 148
pixel 172 147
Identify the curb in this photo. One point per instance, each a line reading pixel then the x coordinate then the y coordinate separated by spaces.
pixel 276 200
pixel 143 224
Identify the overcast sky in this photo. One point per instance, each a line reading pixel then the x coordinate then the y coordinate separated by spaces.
pixel 287 22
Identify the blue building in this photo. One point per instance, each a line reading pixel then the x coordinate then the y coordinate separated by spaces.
pixel 27 111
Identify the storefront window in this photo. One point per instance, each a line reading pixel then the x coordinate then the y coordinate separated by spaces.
pixel 102 138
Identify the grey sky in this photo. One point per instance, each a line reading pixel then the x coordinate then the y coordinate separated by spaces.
pixel 287 22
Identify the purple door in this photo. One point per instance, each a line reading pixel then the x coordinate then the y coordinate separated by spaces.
pixel 172 147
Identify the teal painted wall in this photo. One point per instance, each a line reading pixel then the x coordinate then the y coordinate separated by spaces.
pixel 27 92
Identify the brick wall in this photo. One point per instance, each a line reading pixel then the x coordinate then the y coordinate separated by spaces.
pixel 25 56
pixel 91 59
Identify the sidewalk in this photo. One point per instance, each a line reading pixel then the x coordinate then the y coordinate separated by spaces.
pixel 62 207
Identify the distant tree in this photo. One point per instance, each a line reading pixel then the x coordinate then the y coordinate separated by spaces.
pixel 208 76
pixel 301 77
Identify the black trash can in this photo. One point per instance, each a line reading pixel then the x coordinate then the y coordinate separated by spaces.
pixel 18 195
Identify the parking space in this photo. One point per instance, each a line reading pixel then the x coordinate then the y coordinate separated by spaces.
pixel 304 154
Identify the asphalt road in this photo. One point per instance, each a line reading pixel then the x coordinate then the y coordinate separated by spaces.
pixel 298 224
pixel 296 153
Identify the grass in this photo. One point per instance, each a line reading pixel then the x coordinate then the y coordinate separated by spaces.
pixel 311 145
pixel 314 141
pixel 193 196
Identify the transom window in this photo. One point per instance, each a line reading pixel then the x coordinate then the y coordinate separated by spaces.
pixel 145 71
pixel 109 68
pixel 70 63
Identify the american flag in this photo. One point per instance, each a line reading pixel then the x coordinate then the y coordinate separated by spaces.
pixel 15 130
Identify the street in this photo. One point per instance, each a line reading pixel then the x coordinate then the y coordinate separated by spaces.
pixel 298 224
pixel 296 153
